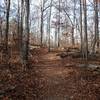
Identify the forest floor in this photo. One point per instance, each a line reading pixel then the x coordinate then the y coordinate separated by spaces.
pixel 50 78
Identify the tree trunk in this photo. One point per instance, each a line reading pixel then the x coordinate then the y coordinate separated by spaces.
pixel 59 24
pixel 7 25
pixel 85 31
pixel 49 22
pixel 1 30
pixel 26 34
pixel 41 26
pixel 96 37
pixel 21 32
pixel 81 35
pixel 74 15
pixel 97 22
pixel 18 27
pixel 6 53
pixel 73 42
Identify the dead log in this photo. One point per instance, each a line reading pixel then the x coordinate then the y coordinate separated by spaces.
pixel 77 55
pixel 70 54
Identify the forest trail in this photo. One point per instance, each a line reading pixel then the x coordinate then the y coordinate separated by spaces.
pixel 60 82
pixel 54 74
pixel 51 78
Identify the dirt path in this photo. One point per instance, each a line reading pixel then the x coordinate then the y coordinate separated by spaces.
pixel 62 83
pixel 50 78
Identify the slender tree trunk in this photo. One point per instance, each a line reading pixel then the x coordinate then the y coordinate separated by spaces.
pixel 59 24
pixel 7 25
pixel 49 22
pixel 18 27
pixel 6 52
pixel 96 21
pixel 47 28
pixel 73 42
pixel 1 30
pixel 41 26
pixel 81 35
pixel 73 39
pixel 21 32
pixel 85 30
pixel 26 34
pixel 56 36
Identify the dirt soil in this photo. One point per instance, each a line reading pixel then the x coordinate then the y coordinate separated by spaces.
pixel 50 78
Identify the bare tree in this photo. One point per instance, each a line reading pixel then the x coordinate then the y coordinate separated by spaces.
pixel 73 27
pixel 0 29
pixel 59 23
pixel 41 26
pixel 81 35
pixel 43 9
pixel 26 33
pixel 7 23
pixel 21 32
pixel 96 37
pixel 49 22
pixel 18 24
pixel 85 30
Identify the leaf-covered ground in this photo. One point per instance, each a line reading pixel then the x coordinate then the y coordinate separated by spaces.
pixel 49 77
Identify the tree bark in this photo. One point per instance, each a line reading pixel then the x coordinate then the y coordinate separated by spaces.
pixel 85 31
pixel 26 34
pixel 18 27
pixel 96 21
pixel 49 22
pixel 7 24
pixel 41 26
pixel 59 24
pixel 21 32
pixel 74 15
pixel 81 34
pixel 1 30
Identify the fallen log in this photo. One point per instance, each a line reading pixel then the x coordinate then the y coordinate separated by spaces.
pixel 70 54
pixel 77 55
